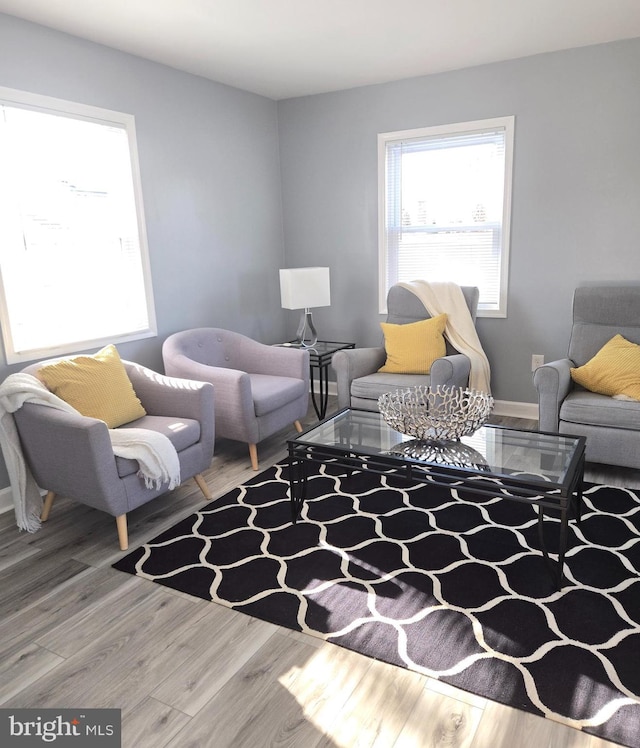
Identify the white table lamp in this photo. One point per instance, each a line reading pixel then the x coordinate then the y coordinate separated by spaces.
pixel 303 288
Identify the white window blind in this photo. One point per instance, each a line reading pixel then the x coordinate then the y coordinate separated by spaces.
pixel 73 255
pixel 445 208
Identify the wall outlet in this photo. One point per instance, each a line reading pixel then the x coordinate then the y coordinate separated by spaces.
pixel 537 359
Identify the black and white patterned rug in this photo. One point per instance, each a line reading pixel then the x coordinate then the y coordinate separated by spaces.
pixel 432 579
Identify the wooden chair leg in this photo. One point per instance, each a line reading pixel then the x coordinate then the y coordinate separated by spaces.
pixel 202 485
pixel 46 507
pixel 298 426
pixel 123 534
pixel 253 453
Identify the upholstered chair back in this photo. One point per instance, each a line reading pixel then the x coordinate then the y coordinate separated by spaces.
pixel 404 307
pixel 600 313
pixel 213 346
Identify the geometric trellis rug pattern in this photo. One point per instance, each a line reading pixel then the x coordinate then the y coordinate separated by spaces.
pixel 430 578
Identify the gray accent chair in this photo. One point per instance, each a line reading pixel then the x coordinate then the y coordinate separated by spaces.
pixel 612 426
pixel 359 382
pixel 259 388
pixel 71 455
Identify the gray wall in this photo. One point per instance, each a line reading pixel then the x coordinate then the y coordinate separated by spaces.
pixel 210 178
pixel 576 190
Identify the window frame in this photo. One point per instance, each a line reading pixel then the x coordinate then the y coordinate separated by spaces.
pixel 78 111
pixel 460 128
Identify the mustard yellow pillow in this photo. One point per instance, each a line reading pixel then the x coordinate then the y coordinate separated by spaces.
pixel 97 386
pixel 614 370
pixel 412 348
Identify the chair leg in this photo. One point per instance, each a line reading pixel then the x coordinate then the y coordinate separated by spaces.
pixel 298 426
pixel 123 535
pixel 46 507
pixel 253 453
pixel 202 485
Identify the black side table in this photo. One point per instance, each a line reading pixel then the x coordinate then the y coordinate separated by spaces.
pixel 320 356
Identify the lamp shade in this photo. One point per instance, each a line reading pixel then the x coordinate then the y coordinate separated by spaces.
pixel 302 288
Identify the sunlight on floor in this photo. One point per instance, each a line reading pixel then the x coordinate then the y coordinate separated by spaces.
pixel 333 684
pixel 357 701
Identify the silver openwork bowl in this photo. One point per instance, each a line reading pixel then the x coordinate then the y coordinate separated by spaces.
pixel 440 413
pixel 449 453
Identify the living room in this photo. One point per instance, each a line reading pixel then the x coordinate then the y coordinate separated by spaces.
pixel 238 184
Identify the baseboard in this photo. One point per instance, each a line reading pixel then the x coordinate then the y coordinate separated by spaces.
pixel 332 388
pixel 6 499
pixel 515 409
pixel 509 408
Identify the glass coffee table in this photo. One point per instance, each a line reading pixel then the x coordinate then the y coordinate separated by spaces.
pixel 542 469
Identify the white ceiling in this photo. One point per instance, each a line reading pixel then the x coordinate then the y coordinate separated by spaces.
pixel 286 48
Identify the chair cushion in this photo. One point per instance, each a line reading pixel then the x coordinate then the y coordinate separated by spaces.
pixel 590 408
pixel 614 370
pixel 412 348
pixel 272 393
pixel 96 386
pixel 374 385
pixel 182 432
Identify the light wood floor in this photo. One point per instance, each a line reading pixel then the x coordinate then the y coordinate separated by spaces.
pixel 75 633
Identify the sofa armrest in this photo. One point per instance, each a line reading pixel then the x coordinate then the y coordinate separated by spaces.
pixel 234 409
pixel 553 382
pixel 351 364
pixel 451 371
pixel 71 455
pixel 162 395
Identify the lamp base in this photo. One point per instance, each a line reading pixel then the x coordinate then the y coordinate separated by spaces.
pixel 306 337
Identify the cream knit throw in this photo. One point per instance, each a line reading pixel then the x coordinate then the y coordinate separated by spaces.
pixel 154 452
pixel 447 298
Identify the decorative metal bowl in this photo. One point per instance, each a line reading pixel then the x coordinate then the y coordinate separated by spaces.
pixel 436 413
pixel 450 453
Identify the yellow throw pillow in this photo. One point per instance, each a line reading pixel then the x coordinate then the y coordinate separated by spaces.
pixel 412 348
pixel 97 386
pixel 614 370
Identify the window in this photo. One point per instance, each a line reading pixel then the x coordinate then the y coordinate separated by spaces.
pixel 445 203
pixel 74 265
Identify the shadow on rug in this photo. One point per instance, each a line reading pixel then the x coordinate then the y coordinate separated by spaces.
pixel 431 579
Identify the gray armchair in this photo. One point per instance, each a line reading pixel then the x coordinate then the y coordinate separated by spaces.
pixel 612 426
pixel 259 388
pixel 71 455
pixel 359 382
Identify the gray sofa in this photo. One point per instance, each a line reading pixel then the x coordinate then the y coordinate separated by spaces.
pixel 259 388
pixel 71 455
pixel 359 382
pixel 612 426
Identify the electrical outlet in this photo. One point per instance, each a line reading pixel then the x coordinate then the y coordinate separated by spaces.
pixel 537 359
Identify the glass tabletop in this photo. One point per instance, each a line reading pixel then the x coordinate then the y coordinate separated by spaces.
pixel 322 350
pixel 492 451
pixel 322 347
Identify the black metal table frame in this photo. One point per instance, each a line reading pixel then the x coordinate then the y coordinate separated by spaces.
pixel 513 489
pixel 321 361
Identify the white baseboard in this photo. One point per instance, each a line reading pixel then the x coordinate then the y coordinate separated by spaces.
pixel 6 499
pixel 509 408
pixel 515 409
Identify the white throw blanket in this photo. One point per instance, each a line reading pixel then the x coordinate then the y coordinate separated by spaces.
pixel 447 298
pixel 154 452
